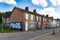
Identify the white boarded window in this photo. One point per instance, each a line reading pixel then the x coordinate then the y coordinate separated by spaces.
pixel 26 16
pixel 31 17
pixel 32 25
pixel 54 23
pixel 26 26
pixel 45 19
pixel 57 23
pixel 37 18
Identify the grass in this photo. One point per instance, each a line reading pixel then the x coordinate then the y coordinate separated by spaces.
pixel 6 30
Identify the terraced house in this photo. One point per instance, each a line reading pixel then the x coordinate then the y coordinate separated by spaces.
pixel 43 21
pixel 28 20
pixel 49 21
pixel 55 22
pixel 37 20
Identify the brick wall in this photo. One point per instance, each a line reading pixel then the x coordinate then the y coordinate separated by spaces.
pixel 17 16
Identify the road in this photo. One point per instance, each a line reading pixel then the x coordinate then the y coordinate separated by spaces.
pixel 50 37
pixel 26 35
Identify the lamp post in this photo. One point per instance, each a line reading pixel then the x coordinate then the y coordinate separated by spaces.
pixel 2 24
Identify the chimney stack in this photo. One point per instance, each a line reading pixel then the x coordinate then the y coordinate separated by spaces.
pixel 34 11
pixel 47 16
pixel 57 19
pixel 51 18
pixel 26 8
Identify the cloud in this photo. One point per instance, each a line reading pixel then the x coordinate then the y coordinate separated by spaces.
pixel 42 3
pixel 9 1
pixel 55 2
pixel 50 11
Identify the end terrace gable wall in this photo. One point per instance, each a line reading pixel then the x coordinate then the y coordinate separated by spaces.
pixel 17 16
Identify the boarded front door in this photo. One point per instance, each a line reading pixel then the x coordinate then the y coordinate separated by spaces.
pixel 26 26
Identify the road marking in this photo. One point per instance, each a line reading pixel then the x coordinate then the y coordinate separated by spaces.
pixel 45 34
pixel 41 36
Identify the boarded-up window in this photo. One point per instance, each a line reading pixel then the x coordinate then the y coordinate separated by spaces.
pixel 26 17
pixel 31 17
pixel 54 23
pixel 37 18
pixel 32 25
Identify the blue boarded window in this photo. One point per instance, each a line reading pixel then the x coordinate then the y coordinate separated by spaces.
pixel 16 25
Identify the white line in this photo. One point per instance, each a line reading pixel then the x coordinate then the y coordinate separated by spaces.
pixel 41 36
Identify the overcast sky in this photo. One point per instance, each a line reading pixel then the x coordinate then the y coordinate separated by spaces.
pixel 50 7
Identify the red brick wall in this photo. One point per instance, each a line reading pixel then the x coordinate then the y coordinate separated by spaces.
pixel 17 16
pixel 43 22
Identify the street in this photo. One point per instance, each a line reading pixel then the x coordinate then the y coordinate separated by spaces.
pixel 50 37
pixel 25 35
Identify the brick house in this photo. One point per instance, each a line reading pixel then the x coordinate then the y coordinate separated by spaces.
pixel 54 22
pixel 57 23
pixel 31 20
pixel 47 21
pixel 37 20
pixel 24 16
pixel 50 22
pixel 43 22
pixel 40 21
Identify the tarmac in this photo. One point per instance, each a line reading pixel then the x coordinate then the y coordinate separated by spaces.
pixel 40 34
pixel 56 36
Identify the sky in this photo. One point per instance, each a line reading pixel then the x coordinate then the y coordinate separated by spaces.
pixel 43 7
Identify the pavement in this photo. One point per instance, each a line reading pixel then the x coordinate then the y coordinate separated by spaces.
pixel 30 35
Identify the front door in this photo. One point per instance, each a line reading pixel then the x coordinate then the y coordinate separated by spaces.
pixel 26 26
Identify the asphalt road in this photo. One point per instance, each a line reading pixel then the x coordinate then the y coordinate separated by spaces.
pixel 50 37
pixel 26 36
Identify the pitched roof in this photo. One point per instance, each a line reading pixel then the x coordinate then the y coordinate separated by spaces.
pixel 26 11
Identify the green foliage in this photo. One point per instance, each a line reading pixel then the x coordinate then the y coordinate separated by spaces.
pixel 0 20
pixel 6 14
pixel 7 29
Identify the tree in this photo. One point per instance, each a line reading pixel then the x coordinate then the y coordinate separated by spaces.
pixel 6 14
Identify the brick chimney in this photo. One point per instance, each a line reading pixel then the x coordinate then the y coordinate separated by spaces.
pixel 57 19
pixel 47 16
pixel 26 8
pixel 51 18
pixel 34 11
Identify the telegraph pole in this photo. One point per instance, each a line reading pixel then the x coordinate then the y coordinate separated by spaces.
pixel 2 24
